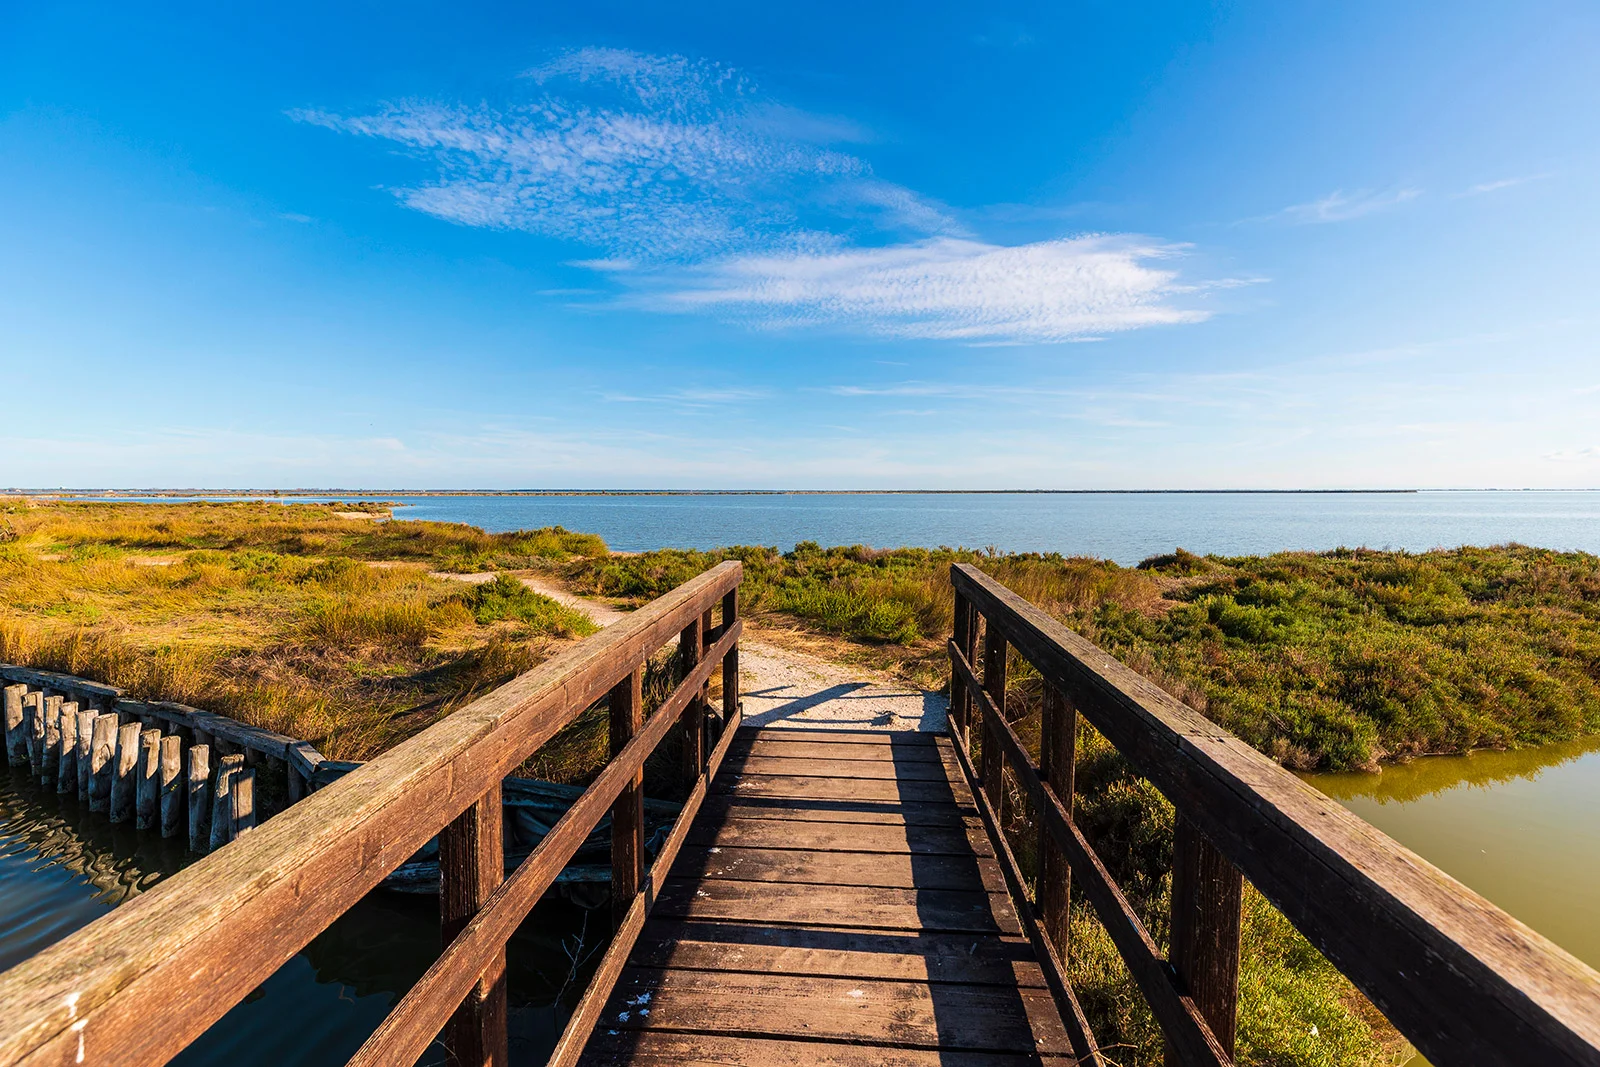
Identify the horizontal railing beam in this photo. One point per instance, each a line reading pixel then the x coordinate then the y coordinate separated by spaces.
pixel 194 945
pixel 1462 980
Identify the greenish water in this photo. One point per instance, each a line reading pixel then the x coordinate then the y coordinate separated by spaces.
pixel 1521 827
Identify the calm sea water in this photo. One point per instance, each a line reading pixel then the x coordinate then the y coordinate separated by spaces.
pixel 1125 527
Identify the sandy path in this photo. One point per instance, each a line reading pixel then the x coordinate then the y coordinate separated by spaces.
pixel 783 688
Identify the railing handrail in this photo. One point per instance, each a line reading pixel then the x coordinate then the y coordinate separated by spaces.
pixel 142 982
pixel 1464 981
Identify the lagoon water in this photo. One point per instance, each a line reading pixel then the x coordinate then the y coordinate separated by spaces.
pixel 1125 527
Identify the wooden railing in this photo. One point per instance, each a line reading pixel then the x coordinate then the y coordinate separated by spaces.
pixel 141 983
pixel 1466 983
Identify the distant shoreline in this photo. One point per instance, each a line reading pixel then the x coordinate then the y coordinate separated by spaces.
pixel 293 494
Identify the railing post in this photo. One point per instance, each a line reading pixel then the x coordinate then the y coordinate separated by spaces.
pixel 1058 756
pixel 994 683
pixel 627 814
pixel 471 866
pixel 691 646
pixel 962 636
pixel 730 662
pixel 1207 896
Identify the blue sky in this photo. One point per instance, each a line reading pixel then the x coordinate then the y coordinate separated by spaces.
pixel 855 246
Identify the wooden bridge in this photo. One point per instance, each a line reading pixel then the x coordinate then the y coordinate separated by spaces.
pixel 838 897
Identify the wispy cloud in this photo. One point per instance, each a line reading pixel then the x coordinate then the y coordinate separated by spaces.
pixel 1339 206
pixel 692 397
pixel 1503 183
pixel 702 195
pixel 950 288
pixel 1574 455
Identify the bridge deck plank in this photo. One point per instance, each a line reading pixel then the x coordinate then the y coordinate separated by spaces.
pixel 838 910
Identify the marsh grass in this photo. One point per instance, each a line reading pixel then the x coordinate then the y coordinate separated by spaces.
pixel 322 627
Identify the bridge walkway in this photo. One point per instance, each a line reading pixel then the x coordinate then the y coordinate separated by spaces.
pixel 836 901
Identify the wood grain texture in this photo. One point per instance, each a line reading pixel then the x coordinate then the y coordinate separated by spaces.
pixel 662 1048
pixel 225 923
pixel 1465 982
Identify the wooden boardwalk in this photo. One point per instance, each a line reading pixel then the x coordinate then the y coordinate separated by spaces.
pixel 836 902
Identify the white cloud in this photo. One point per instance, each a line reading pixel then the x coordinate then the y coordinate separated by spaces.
pixel 1574 455
pixel 699 194
pixel 1339 206
pixel 1503 183
pixel 950 288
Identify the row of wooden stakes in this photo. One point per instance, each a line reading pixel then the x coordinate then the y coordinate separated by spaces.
pixel 129 770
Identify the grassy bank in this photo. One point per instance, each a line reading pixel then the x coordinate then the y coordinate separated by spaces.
pixel 313 620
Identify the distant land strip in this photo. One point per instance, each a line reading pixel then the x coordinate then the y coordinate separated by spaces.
pixel 290 494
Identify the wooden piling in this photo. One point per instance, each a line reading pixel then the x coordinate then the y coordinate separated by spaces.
pixel 86 718
pixel 67 762
pixel 199 797
pixel 221 801
pixel 148 802
pixel 171 785
pixel 242 801
pixel 33 724
pixel 124 780
pixel 16 738
pixel 50 754
pixel 102 762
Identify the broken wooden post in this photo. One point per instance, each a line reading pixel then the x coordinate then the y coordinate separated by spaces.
pixel 86 718
pixel 33 724
pixel 16 738
pixel 102 762
pixel 199 797
pixel 242 798
pixel 124 781
pixel 148 802
pixel 67 762
pixel 221 802
pixel 171 785
pixel 50 753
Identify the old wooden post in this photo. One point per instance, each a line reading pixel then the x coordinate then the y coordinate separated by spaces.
pixel 222 801
pixel 102 762
pixel 16 737
pixel 690 649
pixel 242 801
pixel 959 697
pixel 86 718
pixel 1207 893
pixel 172 785
pixel 33 724
pixel 730 661
pixel 50 753
pixel 149 781
pixel 627 814
pixel 67 762
pixel 471 867
pixel 994 683
pixel 1058 751
pixel 125 782
pixel 199 797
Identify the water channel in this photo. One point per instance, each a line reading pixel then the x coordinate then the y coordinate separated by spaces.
pixel 61 869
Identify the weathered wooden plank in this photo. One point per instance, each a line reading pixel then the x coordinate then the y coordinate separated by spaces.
pixel 768 745
pixel 85 753
pixel 1207 898
pixel 857 1010
pixel 801 809
pixel 916 956
pixel 67 761
pixel 222 800
pixel 1058 756
pixel 102 762
pixel 842 837
pixel 779 785
pixel 241 802
pixel 872 908
pixel 883 770
pixel 50 745
pixel 663 1048
pixel 15 724
pixel 408 1029
pixel 904 871
pixel 881 738
pixel 627 813
pixel 1495 992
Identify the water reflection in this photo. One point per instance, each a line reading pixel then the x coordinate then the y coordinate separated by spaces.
pixel 1519 827
pixel 61 869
